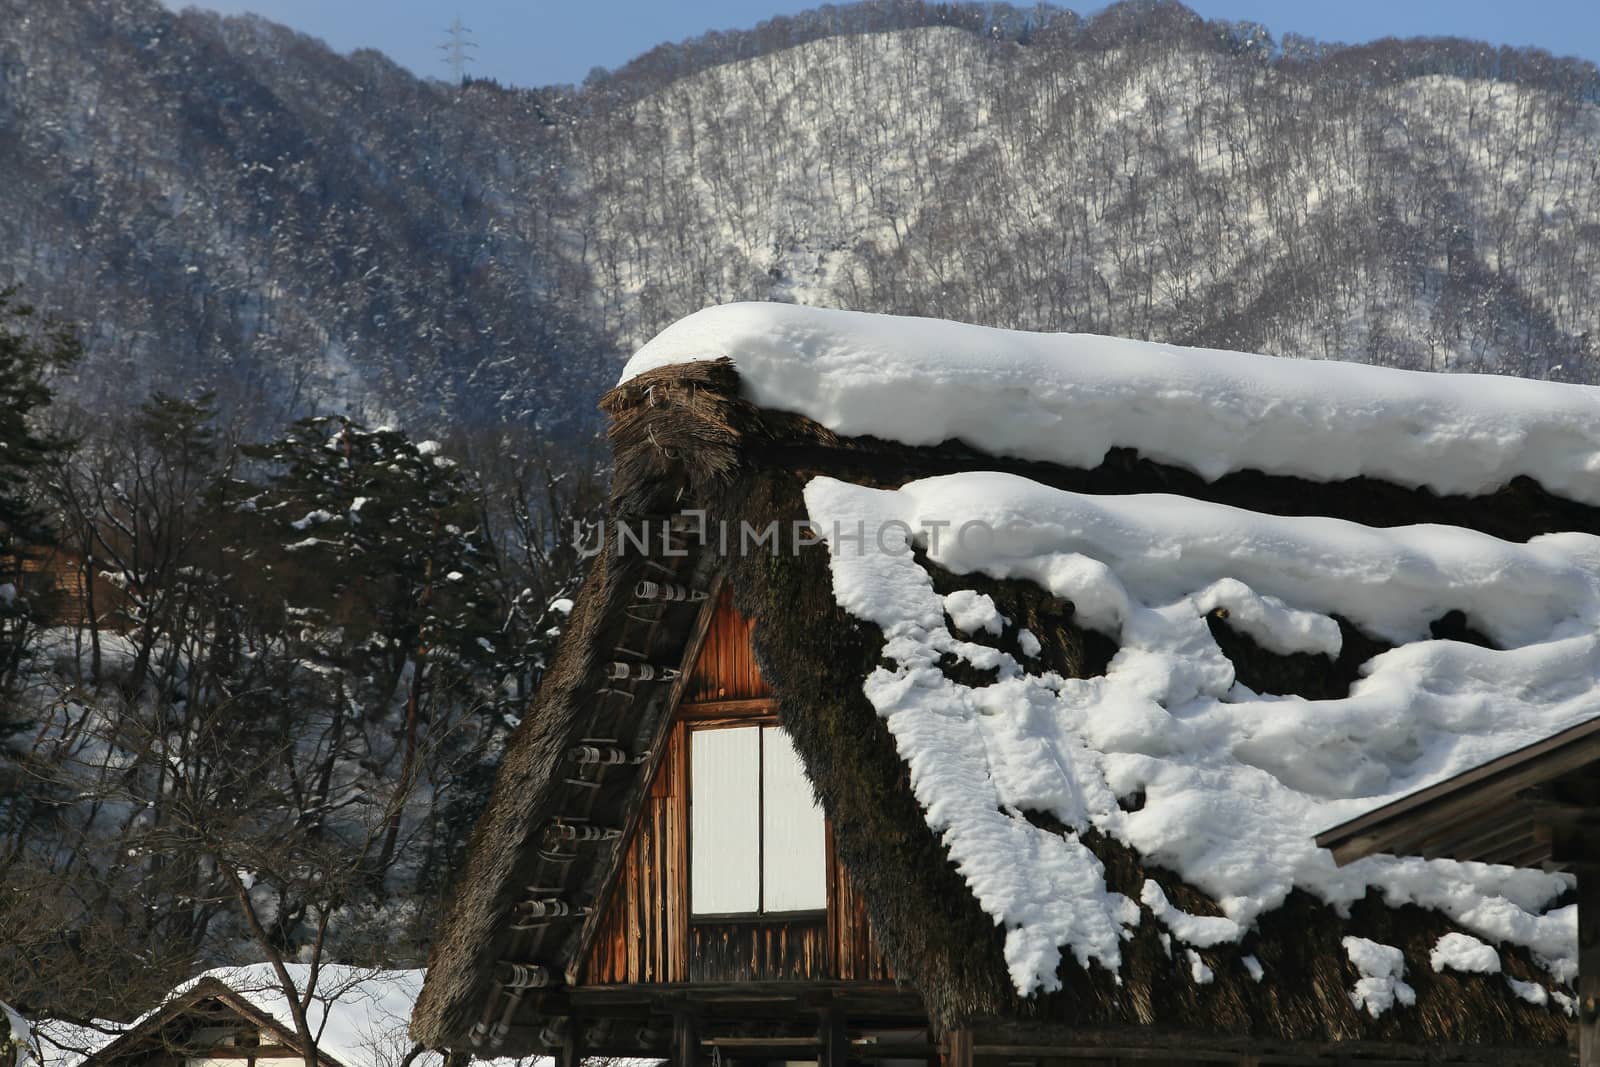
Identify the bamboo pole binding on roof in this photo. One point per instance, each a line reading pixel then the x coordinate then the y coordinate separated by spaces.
pixel 549 908
pixel 667 591
pixel 618 671
pixel 602 754
pixel 519 976
pixel 565 830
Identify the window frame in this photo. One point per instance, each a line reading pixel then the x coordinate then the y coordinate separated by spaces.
pixel 761 723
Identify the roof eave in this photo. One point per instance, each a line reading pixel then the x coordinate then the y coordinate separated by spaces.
pixel 1403 825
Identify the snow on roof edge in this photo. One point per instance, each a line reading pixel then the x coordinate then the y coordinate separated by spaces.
pixel 1070 398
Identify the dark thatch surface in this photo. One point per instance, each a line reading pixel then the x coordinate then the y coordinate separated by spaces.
pixel 461 965
pixel 684 438
pixel 501 861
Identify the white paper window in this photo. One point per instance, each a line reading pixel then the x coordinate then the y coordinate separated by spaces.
pixel 725 821
pixel 757 840
pixel 794 840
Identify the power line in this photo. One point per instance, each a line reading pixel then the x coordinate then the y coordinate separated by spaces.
pixel 457 41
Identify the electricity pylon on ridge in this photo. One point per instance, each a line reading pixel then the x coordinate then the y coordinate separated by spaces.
pixel 457 41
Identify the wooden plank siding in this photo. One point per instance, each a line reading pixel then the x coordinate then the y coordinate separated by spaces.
pixel 646 935
pixel 726 669
pixel 69 588
pixel 852 946
pixel 739 951
pixel 643 935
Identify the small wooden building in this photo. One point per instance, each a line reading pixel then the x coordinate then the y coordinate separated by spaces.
pixel 210 1025
pixel 65 587
pixel 241 1017
pixel 715 838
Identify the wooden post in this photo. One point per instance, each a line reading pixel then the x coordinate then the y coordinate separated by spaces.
pixel 833 1038
pixel 1588 964
pixel 571 1054
pixel 685 1039
pixel 957 1050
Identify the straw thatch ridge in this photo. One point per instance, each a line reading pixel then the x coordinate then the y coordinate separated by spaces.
pixel 684 437
pixel 688 426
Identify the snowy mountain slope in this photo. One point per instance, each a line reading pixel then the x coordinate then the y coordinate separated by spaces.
pixel 1176 187
pixel 225 202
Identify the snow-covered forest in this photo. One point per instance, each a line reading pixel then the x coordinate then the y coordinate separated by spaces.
pixel 222 200
pixel 251 694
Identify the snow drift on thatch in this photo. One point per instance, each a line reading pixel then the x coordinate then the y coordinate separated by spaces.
pixel 1235 784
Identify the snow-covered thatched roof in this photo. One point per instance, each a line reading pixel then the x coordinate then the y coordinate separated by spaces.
pixel 359 1015
pixel 1082 641
pixel 1069 399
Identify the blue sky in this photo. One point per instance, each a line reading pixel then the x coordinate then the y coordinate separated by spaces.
pixel 538 42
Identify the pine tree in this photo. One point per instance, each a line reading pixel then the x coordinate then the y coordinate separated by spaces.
pixel 30 354
pixel 372 546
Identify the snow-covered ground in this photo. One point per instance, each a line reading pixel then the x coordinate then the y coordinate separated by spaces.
pixel 18 1038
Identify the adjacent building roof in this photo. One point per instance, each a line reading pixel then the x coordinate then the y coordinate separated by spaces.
pixel 1207 605
pixel 207 1003
pixel 1510 810
pixel 359 1013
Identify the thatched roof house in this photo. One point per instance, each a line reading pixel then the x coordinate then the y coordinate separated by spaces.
pixel 209 1024
pixel 1079 643
pixel 240 1017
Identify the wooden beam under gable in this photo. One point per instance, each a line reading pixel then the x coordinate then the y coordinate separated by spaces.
pixel 1539 804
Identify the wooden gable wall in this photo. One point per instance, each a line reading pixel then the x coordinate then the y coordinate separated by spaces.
pixel 73 591
pixel 646 934
pixel 210 1032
